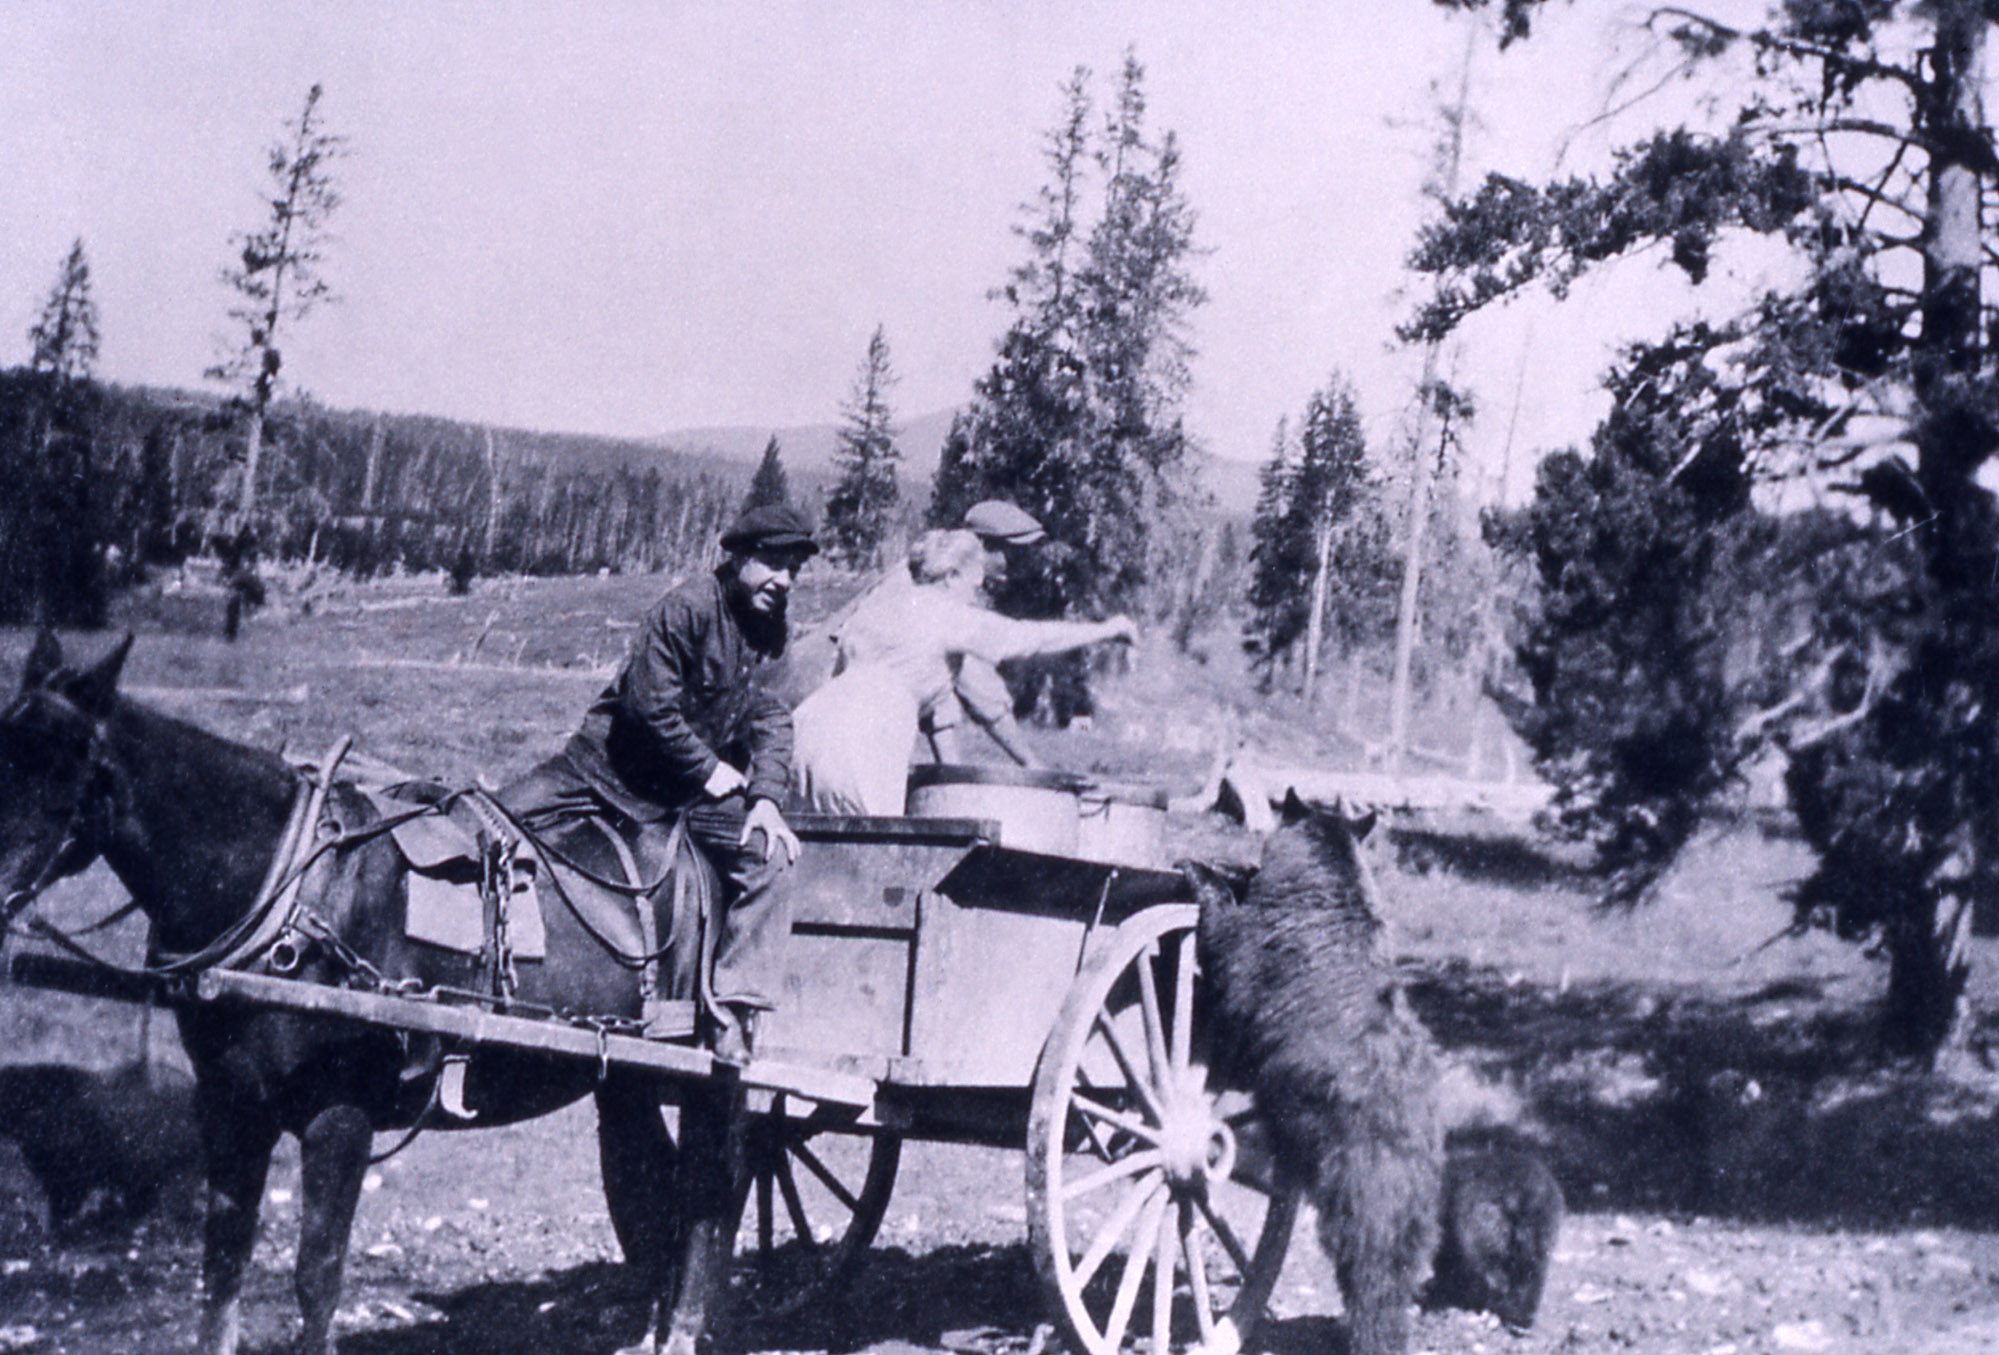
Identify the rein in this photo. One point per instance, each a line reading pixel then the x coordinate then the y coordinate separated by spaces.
pixel 275 911
pixel 275 906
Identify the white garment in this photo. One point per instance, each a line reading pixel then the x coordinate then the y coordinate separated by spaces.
pixel 897 657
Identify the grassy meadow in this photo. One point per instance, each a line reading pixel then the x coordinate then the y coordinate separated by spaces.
pixel 1715 1105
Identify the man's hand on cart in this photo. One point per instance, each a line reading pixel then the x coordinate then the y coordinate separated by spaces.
pixel 765 817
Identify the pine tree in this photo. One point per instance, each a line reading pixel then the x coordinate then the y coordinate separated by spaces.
pixel 276 277
pixel 863 506
pixel 1869 372
pixel 64 336
pixel 1078 419
pixel 54 571
pixel 955 486
pixel 1318 541
pixel 770 484
pixel 1276 613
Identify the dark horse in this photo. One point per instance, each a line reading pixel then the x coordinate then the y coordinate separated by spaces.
pixel 190 823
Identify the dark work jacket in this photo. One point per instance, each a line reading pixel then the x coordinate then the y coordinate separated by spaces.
pixel 694 690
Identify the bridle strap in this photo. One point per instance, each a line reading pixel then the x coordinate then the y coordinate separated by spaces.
pixel 76 849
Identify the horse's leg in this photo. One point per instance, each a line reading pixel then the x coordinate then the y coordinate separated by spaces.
pixel 711 1160
pixel 333 1157
pixel 636 1156
pixel 236 1142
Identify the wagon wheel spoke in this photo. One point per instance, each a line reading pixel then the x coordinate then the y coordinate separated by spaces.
pixel 1183 1004
pixel 1224 1234
pixel 1136 1262
pixel 766 1225
pixel 1130 1124
pixel 826 1177
pixel 1162 1284
pixel 1088 1128
pixel 1197 1271
pixel 801 1226
pixel 1115 1227
pixel 1148 1005
pixel 1139 1086
pixel 1121 1075
pixel 1144 1160
pixel 833 1207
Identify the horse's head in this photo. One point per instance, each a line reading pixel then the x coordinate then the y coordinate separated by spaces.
pixel 56 796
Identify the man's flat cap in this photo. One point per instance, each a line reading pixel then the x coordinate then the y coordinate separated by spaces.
pixel 998 520
pixel 770 526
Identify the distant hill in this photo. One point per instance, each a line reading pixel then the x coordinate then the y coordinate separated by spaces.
pixel 808 451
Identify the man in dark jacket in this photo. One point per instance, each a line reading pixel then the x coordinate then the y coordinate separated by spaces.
pixel 691 727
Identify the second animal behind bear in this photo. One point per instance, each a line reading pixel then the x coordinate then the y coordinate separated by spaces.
pixel 1304 1012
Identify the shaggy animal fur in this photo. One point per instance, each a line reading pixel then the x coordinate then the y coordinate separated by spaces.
pixel 1502 1212
pixel 102 1145
pixel 1306 1015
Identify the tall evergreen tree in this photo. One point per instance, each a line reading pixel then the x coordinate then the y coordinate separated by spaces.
pixel 862 507
pixel 1869 159
pixel 53 571
pixel 1318 567
pixel 770 484
pixel 64 337
pixel 276 277
pixel 1276 561
pixel 1078 419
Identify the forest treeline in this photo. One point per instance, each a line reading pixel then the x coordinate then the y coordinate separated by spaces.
pixel 112 480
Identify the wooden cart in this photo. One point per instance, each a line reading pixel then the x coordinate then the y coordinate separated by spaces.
pixel 1005 997
pixel 945 987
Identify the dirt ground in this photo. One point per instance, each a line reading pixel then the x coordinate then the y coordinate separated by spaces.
pixel 1745 1171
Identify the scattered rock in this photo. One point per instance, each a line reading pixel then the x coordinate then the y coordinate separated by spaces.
pixel 1591 1294
pixel 1709 1284
pixel 1806 1336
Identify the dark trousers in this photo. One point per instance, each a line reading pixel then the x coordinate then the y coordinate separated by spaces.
pixel 753 916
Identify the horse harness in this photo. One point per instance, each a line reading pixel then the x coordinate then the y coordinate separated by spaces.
pixel 280 928
pixel 79 845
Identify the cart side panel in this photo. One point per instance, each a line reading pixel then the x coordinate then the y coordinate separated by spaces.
pixel 988 986
pixel 1004 935
pixel 856 902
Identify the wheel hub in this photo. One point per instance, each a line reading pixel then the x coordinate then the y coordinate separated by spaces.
pixel 1197 1146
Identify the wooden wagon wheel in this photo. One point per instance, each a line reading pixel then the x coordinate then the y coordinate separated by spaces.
pixel 809 1208
pixel 1128 1152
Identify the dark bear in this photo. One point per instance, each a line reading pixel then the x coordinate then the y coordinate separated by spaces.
pixel 1502 1212
pixel 102 1145
pixel 1304 1013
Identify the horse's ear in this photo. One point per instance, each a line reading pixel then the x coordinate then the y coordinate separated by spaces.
pixel 1362 824
pixel 1294 808
pixel 96 688
pixel 43 660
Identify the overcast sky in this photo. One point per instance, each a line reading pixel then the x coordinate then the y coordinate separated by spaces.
pixel 625 218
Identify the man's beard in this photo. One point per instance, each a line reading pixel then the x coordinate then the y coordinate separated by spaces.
pixel 766 631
